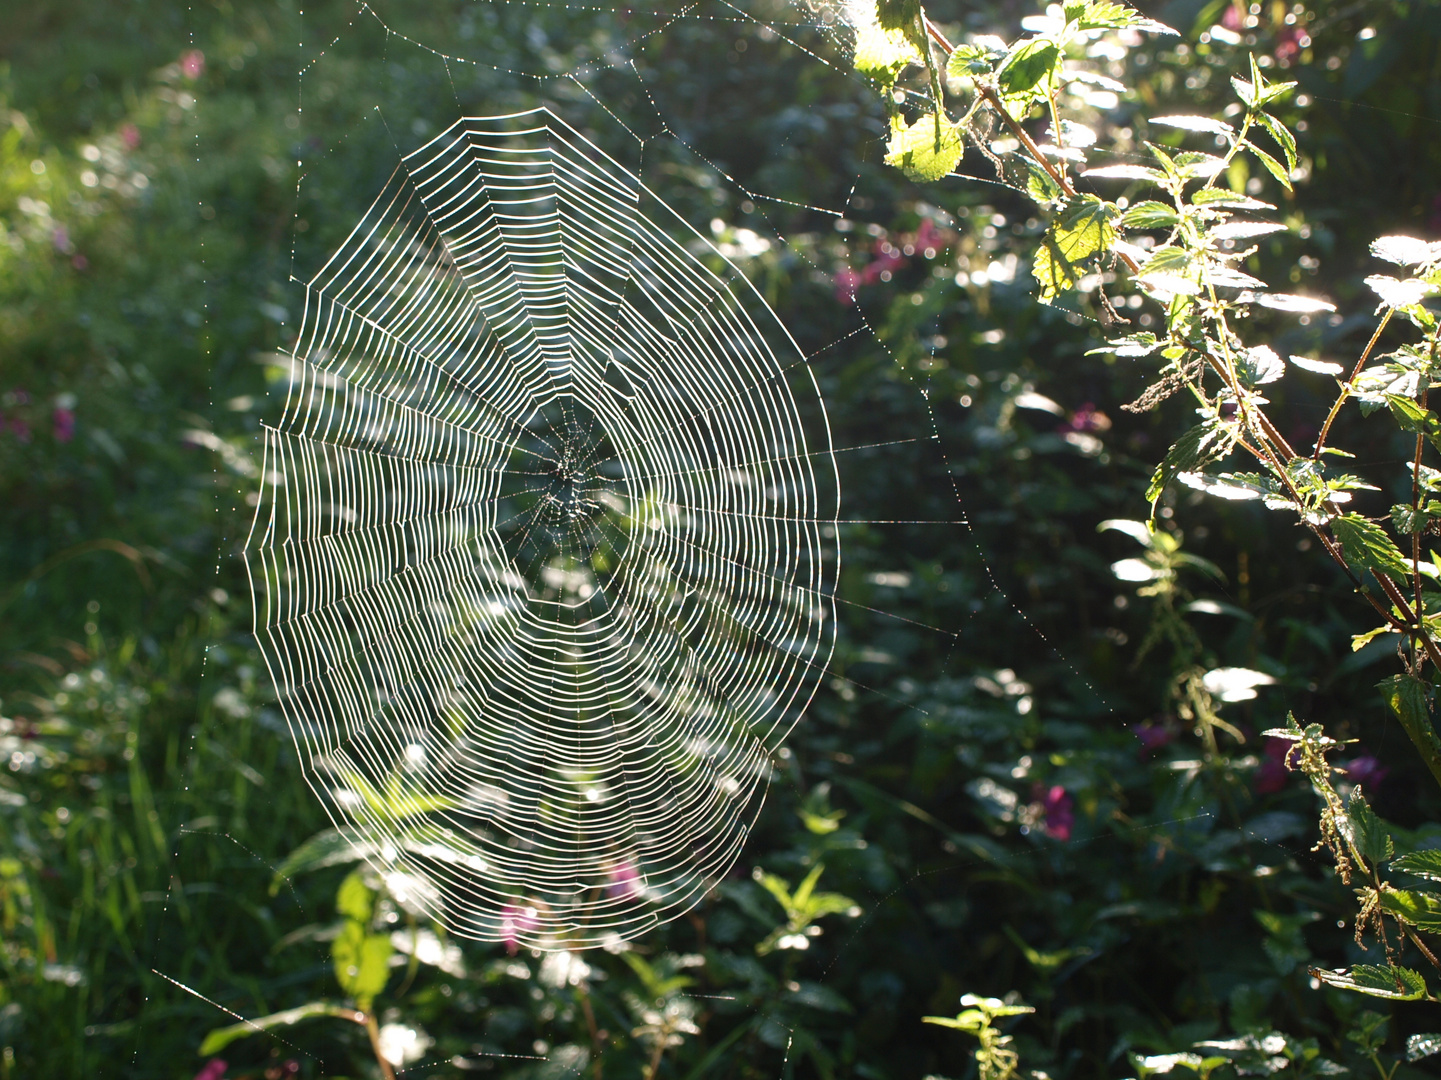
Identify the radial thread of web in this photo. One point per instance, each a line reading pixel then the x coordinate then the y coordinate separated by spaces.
pixel 541 567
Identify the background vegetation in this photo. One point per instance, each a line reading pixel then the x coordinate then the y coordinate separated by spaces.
pixel 998 774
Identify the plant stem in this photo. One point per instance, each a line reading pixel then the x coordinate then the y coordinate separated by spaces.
pixel 1346 389
pixel 656 1055
pixel 373 1030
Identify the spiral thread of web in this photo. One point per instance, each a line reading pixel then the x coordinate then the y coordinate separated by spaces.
pixel 541 566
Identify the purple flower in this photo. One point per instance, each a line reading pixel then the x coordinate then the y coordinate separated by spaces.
pixel 20 429
pixel 624 880
pixel 60 237
pixel 214 1069
pixel 1365 770
pixel 1058 817
pixel 1152 736
pixel 64 421
pixel 1271 773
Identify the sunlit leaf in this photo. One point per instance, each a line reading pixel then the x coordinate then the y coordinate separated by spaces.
pixel 1395 983
pixel 882 54
pixel 1405 250
pixel 1366 544
pixel 926 150
pixel 1293 303
pixel 1424 864
pixel 1195 123
pixel 1422 1045
pixel 1027 66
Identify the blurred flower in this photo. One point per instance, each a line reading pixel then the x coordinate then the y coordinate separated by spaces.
pixel 1057 813
pixel 19 428
pixel 847 281
pixel 64 420
pixel 1365 770
pixel 192 64
pixel 284 1069
pixel 624 880
pixel 1289 43
pixel 214 1069
pixel 1232 19
pixel 1271 773
pixel 1087 418
pixel 514 921
pixel 60 237
pixel 1152 736
pixel 130 136
pixel 80 262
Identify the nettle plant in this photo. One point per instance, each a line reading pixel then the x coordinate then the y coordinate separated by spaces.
pixel 1179 239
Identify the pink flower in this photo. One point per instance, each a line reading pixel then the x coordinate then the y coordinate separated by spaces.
pixel 888 257
pixel 847 281
pixel 64 420
pixel 130 136
pixel 1289 42
pixel 624 880
pixel 1271 773
pixel 514 921
pixel 214 1069
pixel 80 262
pixel 1231 19
pixel 20 429
pixel 1057 816
pixel 1087 418
pixel 192 64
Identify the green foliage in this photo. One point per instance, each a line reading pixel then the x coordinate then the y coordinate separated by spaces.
pixel 995 1058
pixel 932 772
pixel 927 149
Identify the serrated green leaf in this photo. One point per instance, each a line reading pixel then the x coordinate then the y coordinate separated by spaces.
pixel 1364 831
pixel 970 60
pixel 1203 444
pixel 1282 135
pixel 1039 183
pixel 1150 215
pixel 926 150
pixel 897 14
pixel 1421 909
pixel 1389 981
pixel 1274 167
pixel 882 54
pixel 362 962
pixel 1367 545
pixel 1410 699
pixel 1027 66
pixel 1407 520
pixel 1422 864
pixel 1084 227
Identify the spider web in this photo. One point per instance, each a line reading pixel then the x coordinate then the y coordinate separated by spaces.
pixel 540 574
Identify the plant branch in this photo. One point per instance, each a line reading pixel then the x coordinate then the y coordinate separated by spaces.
pixel 1346 389
pixel 373 1030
